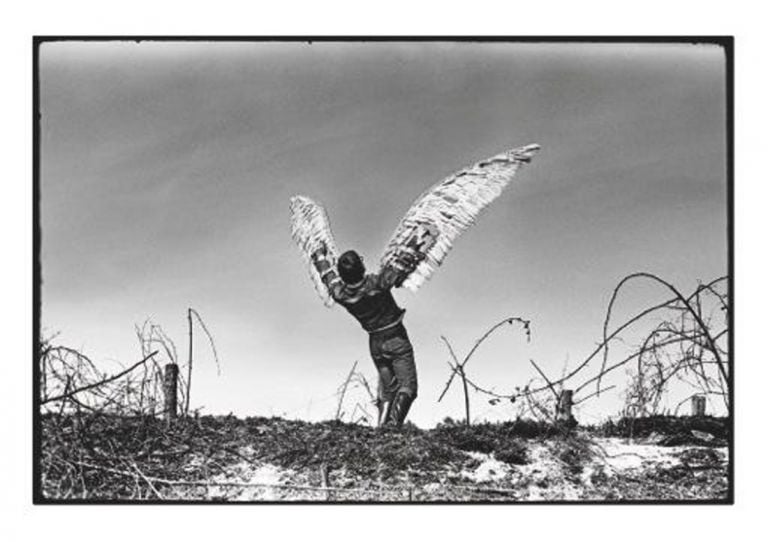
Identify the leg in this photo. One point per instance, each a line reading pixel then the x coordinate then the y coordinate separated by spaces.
pixel 387 386
pixel 399 409
pixel 383 404
pixel 393 355
pixel 404 368
pixel 405 371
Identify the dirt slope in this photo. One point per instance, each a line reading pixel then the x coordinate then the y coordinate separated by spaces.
pixel 257 459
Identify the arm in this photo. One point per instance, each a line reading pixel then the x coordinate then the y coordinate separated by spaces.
pixel 327 272
pixel 407 260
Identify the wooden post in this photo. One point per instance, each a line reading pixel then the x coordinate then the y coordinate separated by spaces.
pixel 698 405
pixel 564 406
pixel 326 481
pixel 170 382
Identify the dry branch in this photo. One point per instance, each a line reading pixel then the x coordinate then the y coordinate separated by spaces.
pixel 101 383
pixel 343 390
pixel 549 384
pixel 678 297
pixel 686 328
pixel 460 366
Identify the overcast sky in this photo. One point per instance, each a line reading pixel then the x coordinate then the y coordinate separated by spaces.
pixel 167 170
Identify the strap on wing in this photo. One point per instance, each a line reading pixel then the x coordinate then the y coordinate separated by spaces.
pixel 310 229
pixel 445 210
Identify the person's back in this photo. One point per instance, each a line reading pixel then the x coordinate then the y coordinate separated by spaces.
pixel 372 306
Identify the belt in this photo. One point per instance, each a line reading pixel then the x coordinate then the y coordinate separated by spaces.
pixel 389 326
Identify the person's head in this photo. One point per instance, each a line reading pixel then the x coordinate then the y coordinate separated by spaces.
pixel 351 268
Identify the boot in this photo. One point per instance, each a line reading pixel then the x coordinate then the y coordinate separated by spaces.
pixel 399 409
pixel 384 409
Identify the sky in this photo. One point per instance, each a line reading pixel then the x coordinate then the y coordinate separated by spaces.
pixel 166 170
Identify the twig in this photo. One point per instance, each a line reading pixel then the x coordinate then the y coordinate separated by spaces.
pixel 678 297
pixel 551 386
pixel 344 390
pixel 189 363
pixel 202 483
pixel 147 480
pixel 460 368
pixel 526 325
pixel 592 395
pixel 668 304
pixel 327 489
pixel 101 383
pixel 497 490
pixel 622 362
pixel 210 340
pixel 360 378
pixel 190 313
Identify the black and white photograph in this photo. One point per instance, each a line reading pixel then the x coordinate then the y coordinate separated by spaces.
pixel 336 270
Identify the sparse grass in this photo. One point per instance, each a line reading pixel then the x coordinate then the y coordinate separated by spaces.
pixel 118 458
pixel 676 430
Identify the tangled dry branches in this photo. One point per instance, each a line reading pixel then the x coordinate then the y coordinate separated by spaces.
pixel 688 344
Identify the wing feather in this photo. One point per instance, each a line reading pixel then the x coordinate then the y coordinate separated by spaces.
pixel 449 207
pixel 310 228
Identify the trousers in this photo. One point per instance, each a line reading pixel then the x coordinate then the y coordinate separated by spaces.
pixel 392 354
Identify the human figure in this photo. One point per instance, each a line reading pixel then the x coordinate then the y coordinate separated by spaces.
pixel 419 245
pixel 368 298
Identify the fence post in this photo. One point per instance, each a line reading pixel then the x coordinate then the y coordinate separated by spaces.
pixel 170 383
pixel 324 475
pixel 698 405
pixel 564 406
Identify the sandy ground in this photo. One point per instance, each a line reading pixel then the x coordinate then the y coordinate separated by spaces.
pixel 546 476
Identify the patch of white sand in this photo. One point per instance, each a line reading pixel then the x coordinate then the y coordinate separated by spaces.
pixel 560 492
pixel 490 469
pixel 622 454
pixel 544 477
pixel 248 473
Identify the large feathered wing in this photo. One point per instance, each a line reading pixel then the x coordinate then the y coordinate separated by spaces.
pixel 443 212
pixel 310 229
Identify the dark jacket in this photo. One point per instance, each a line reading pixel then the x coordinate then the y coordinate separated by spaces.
pixel 370 301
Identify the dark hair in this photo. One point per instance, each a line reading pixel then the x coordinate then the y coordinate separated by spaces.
pixel 351 268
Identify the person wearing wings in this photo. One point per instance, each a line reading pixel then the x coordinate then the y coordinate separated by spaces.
pixel 418 246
